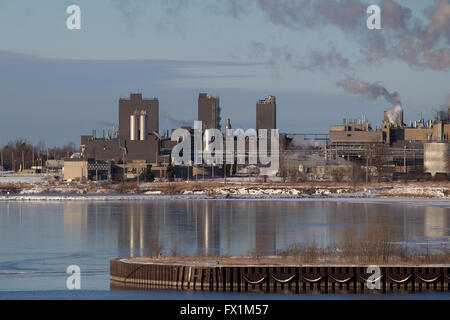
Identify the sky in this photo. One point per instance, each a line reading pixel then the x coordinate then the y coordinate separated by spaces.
pixel 57 84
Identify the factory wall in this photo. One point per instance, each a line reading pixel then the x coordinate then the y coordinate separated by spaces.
pixel 76 170
pixel 127 107
pixel 356 136
pixel 419 134
pixel 102 149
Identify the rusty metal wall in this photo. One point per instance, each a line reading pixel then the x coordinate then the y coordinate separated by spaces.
pixel 296 279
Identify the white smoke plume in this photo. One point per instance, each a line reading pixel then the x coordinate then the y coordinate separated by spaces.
pixel 301 143
pixel 372 91
pixel 369 91
pixel 394 114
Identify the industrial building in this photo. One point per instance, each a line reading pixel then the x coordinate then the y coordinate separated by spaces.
pixel 266 113
pixel 136 143
pixel 396 144
pixel 209 111
pixel 436 158
pixel 79 169
pixel 136 138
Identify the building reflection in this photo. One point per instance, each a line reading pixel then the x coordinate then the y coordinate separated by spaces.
pixel 241 227
pixel 435 223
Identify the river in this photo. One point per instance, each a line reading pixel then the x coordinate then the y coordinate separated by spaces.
pixel 39 240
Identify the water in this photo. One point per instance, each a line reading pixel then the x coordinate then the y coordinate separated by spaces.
pixel 39 240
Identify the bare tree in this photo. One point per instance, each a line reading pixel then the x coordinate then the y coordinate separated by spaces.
pixel 338 174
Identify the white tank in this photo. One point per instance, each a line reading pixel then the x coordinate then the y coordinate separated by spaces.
pixel 436 157
pixel 143 126
pixel 133 127
pixel 207 139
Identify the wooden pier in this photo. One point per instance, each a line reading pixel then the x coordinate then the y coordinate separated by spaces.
pixel 150 273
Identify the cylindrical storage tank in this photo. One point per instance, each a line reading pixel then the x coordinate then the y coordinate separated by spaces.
pixel 435 157
pixel 207 140
pixel 133 127
pixel 143 126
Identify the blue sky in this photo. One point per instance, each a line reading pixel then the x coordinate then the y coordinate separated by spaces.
pixel 57 84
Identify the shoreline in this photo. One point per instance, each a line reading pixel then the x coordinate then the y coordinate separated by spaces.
pixel 30 188
pixel 411 201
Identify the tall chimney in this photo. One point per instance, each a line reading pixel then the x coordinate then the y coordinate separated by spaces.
pixel 228 124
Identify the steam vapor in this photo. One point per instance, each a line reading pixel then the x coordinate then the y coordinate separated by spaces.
pixel 372 91
pixel 418 41
pixel 369 91
pixel 178 122
pixel 405 37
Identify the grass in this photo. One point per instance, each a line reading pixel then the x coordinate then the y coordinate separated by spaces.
pixel 305 255
pixel 407 195
pixel 127 187
pixel 375 247
pixel 14 187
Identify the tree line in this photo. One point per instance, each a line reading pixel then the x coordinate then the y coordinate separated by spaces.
pixel 19 154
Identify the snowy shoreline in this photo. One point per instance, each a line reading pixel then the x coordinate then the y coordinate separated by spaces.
pixel 443 203
pixel 40 188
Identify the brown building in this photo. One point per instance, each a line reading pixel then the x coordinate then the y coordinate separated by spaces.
pixel 266 113
pixel 209 111
pixel 147 109
pixel 137 137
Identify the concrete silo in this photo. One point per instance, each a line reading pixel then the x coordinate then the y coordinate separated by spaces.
pixel 133 127
pixel 436 157
pixel 143 126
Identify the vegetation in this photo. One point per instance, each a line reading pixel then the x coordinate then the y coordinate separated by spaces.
pixel 338 174
pixel 127 187
pixel 19 154
pixel 148 174
pixel 170 172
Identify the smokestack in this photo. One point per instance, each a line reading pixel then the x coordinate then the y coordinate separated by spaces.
pixel 394 116
pixel 228 124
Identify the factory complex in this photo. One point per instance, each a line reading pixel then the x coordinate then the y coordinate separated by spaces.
pixel 137 146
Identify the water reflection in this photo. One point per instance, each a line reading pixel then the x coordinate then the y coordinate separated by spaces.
pixel 41 237
pixel 242 227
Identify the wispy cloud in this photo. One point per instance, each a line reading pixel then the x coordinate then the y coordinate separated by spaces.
pixel 419 42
